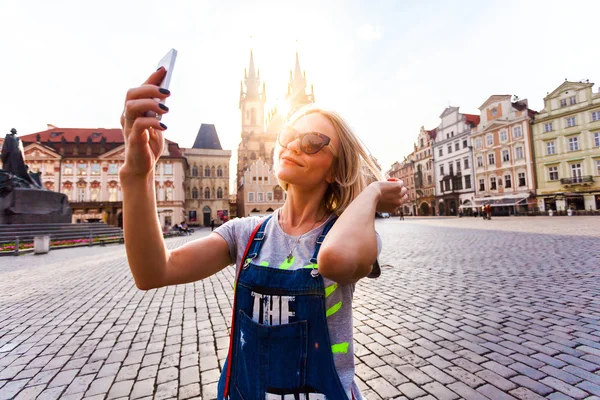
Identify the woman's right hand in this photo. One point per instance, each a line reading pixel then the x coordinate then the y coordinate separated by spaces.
pixel 143 135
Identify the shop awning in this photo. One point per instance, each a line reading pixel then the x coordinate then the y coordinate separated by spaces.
pixel 502 201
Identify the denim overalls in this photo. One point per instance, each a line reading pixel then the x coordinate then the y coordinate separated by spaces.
pixel 280 347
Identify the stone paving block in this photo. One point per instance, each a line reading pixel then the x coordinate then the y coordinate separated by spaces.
pixel 63 378
pixel 52 394
pixel 142 388
pixel 531 384
pixel 411 390
pixel 30 393
pixel 564 388
pixel 493 392
pixel 80 384
pixel 464 376
pixel 561 374
pixel 383 388
pixel 189 391
pixel 525 394
pixel 589 387
pixel 120 389
pixel 414 374
pixel 10 390
pixel 391 375
pixel 585 375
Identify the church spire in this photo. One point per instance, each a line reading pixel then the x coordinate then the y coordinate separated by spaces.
pixel 251 79
pixel 296 94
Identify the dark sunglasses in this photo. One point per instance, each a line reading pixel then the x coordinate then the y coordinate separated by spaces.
pixel 310 142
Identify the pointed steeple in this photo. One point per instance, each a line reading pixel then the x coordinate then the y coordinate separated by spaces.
pixel 252 80
pixel 297 69
pixel 251 73
pixel 297 95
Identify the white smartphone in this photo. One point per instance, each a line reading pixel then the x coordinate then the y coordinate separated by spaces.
pixel 168 62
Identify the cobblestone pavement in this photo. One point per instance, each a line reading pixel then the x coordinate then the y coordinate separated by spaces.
pixel 465 308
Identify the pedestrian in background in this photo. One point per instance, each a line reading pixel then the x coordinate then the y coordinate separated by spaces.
pixel 212 225
pixel 305 257
pixel 401 215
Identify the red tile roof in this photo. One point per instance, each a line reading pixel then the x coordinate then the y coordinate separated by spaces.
pixel 432 133
pixel 472 119
pixel 112 135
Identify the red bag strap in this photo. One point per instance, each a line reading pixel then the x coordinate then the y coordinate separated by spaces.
pixel 228 376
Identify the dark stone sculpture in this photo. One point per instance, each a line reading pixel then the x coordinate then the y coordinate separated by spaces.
pixel 23 199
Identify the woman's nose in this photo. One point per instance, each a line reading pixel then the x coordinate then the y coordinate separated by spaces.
pixel 294 146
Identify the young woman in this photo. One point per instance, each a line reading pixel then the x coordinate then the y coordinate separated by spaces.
pixel 291 332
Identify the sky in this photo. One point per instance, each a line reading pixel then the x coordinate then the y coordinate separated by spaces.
pixel 389 66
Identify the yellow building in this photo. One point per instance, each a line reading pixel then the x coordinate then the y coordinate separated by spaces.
pixel 566 137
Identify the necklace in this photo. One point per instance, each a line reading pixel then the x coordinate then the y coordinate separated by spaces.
pixel 289 256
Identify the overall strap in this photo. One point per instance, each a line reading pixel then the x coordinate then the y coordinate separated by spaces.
pixel 252 249
pixel 321 238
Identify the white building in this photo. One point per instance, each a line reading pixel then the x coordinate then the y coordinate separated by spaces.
pixel 453 162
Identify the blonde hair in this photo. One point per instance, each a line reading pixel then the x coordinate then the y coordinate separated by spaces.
pixel 353 167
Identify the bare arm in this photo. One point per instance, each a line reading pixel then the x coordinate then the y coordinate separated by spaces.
pixel 350 247
pixel 151 264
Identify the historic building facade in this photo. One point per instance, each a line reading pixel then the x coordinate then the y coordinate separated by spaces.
pixel 503 156
pixel 566 135
pixel 453 162
pixel 404 170
pixel 259 135
pixel 84 164
pixel 207 179
pixel 424 174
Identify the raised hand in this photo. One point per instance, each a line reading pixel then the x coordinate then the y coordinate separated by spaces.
pixel 143 135
pixel 392 194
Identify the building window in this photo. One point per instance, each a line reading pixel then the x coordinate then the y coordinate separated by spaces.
pixel 81 169
pixel 457 165
pixel 95 169
pixel 493 183
pixel 194 171
pixel 576 173
pixel 449 148
pixel 573 143
pixel 563 102
pixel 441 151
pixel 570 121
pixel 168 193
pixel 465 144
pixel 269 196
pixel 80 194
pixel 553 173
pixel 219 172
pixel 572 100
pixel 507 181
pixel 194 193
pixel 595 115
pixel 457 146
pixel 467 181
pixel 250 197
pixel 522 181
pixel 260 197
pixel 207 193
pixel 491 159
pixel 68 169
pixel 219 193
pixel 478 143
pixel 503 136
pixel 482 185
pixel 517 132
pixel 466 162
pixel 519 153
pixel 113 169
pixel 168 169
pixel 206 171
pixel 429 179
pixel 505 155
pixel 598 167
pixel 450 168
pixel 597 139
pixel 441 170
pixel 548 127
pixel 489 140
pixel 112 194
pixel 479 161
pixel 94 194
pixel 550 149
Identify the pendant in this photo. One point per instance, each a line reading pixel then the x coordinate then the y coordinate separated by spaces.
pixel 289 257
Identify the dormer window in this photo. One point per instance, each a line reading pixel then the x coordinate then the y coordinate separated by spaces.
pixel 494 112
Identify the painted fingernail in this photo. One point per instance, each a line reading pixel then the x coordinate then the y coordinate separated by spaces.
pixel 159 68
pixel 163 126
pixel 163 107
pixel 164 91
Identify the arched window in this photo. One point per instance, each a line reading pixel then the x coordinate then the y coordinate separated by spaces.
pixel 194 193
pixel 207 193
pixel 207 171
pixel 219 171
pixel 195 171
pixel 219 193
pixel 253 156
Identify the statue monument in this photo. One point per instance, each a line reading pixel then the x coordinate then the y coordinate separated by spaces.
pixel 23 198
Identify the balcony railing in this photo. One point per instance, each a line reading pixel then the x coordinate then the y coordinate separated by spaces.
pixel 577 180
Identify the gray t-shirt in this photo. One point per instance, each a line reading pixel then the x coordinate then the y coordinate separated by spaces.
pixel 338 300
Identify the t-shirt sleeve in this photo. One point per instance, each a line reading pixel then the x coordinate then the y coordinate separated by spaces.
pixel 236 233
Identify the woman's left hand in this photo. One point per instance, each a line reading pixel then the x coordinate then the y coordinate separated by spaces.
pixel 392 194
